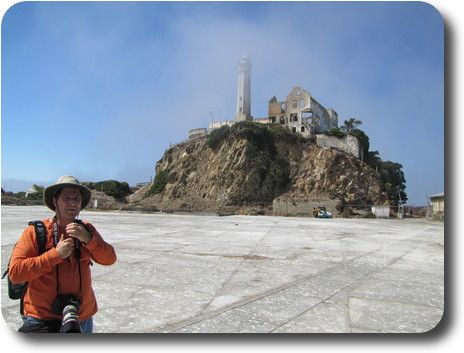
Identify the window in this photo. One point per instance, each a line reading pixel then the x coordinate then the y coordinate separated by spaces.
pixel 294 104
pixel 302 129
pixel 306 116
pixel 302 103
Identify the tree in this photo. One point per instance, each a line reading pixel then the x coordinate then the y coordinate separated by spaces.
pixel 391 174
pixel 372 158
pixel 351 125
pixel 363 139
pixel 393 181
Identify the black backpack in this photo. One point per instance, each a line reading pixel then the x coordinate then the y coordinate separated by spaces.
pixel 17 290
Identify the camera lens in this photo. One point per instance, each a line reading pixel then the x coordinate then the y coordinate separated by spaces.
pixel 70 322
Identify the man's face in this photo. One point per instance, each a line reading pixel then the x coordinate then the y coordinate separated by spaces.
pixel 69 202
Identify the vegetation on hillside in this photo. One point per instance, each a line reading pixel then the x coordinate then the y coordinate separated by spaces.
pixel 391 174
pixel 268 174
pixel 159 183
pixel 113 188
pixel 34 195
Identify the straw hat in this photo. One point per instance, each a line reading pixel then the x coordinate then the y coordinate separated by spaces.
pixel 64 181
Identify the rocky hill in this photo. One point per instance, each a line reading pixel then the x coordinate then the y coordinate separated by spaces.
pixel 247 164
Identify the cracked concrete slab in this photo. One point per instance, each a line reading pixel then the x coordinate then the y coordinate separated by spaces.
pixel 204 273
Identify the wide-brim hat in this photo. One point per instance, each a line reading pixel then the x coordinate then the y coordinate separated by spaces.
pixel 65 181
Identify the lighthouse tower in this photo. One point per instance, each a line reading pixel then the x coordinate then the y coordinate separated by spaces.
pixel 243 95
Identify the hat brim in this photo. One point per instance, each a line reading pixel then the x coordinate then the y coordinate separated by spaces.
pixel 50 191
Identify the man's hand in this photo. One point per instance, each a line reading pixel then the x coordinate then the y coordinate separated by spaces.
pixel 76 230
pixel 65 247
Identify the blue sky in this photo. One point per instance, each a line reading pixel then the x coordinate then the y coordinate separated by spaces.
pixel 100 90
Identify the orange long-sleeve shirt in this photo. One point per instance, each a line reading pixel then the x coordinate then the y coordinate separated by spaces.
pixel 41 272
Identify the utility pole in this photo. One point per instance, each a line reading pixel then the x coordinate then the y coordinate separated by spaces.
pixel 400 206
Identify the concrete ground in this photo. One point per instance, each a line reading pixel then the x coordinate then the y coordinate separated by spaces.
pixel 210 274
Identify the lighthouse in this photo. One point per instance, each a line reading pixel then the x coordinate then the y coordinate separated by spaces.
pixel 244 92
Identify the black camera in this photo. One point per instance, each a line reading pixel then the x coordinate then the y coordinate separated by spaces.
pixel 68 306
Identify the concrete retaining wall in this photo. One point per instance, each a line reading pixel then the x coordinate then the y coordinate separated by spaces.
pixel 288 207
pixel 348 144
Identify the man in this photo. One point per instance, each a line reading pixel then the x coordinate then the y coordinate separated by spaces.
pixel 61 275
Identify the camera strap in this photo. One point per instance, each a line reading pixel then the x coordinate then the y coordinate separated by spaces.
pixel 77 253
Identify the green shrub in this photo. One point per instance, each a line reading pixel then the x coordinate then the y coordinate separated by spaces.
pixel 113 188
pixel 335 132
pixel 159 183
pixel 218 135
pixel 281 132
pixel 276 177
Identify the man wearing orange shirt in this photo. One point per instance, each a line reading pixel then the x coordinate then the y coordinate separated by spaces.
pixel 61 275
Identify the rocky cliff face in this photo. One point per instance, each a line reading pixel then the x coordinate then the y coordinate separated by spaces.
pixel 238 169
pixel 320 172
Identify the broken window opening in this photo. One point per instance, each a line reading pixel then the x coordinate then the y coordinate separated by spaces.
pixel 293 117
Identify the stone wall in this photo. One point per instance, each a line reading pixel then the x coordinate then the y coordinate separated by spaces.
pixel 287 207
pixel 197 132
pixel 348 144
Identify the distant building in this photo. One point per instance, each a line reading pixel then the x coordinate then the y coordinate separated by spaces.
pixel 381 211
pixel 438 205
pixel 197 132
pixel 301 113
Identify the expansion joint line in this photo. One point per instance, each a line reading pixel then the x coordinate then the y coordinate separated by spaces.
pixel 237 268
pixel 202 316
pixel 360 279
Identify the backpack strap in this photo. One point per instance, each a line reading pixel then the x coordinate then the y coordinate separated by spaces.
pixel 41 234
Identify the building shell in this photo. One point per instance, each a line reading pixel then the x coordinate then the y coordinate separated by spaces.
pixel 301 113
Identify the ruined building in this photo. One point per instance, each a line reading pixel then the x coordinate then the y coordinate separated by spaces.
pixel 300 112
